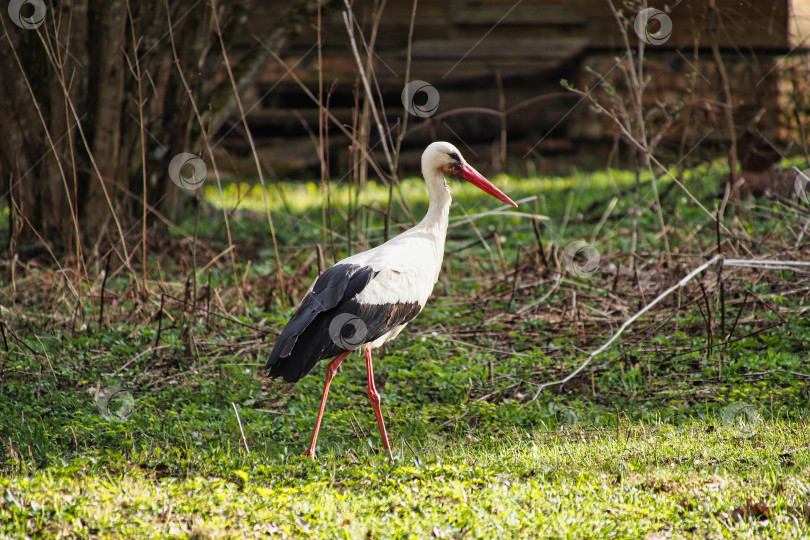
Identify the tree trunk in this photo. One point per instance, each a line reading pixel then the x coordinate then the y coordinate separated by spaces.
pixel 77 86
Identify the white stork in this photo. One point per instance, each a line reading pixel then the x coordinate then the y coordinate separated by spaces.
pixel 368 298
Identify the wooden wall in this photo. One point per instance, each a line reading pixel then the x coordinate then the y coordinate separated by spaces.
pixel 500 55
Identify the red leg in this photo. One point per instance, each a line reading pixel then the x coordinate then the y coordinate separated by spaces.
pixel 331 369
pixel 374 396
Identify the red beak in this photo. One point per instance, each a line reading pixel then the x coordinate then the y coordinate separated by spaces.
pixel 475 178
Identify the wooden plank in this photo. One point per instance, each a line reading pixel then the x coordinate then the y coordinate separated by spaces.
pixel 743 24
pixel 390 70
pixel 456 72
pixel 498 49
pixel 293 120
pixel 522 14
pixel 774 25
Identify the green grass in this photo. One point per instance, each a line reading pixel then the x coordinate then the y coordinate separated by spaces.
pixel 670 434
pixel 625 482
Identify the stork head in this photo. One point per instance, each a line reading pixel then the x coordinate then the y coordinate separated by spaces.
pixel 442 157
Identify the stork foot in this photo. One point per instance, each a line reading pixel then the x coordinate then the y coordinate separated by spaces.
pixel 310 453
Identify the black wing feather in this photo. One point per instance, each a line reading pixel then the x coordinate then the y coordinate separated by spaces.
pixel 306 339
pixel 339 283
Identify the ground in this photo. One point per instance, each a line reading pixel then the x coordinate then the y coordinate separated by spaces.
pixel 152 417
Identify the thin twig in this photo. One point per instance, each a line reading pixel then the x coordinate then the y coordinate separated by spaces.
pixel 404 120
pixel 103 286
pixel 708 319
pixel 243 116
pixel 239 421
pixel 204 137
pixel 348 18
pixel 720 284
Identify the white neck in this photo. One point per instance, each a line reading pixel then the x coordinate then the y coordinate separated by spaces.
pixel 434 224
pixel 438 212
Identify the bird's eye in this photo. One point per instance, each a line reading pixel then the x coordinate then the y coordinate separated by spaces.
pixel 454 156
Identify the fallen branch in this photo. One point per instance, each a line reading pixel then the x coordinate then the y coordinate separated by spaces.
pixel 765 264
